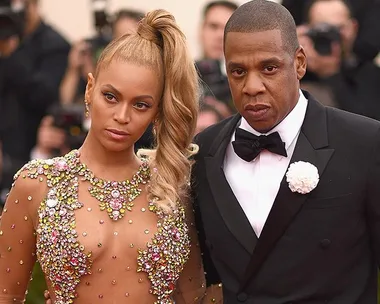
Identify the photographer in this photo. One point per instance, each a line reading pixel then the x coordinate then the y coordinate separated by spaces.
pixel 333 68
pixel 211 66
pixel 366 12
pixel 33 58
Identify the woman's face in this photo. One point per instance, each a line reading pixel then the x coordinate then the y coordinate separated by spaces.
pixel 123 100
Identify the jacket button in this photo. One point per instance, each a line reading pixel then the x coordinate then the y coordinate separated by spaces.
pixel 242 297
pixel 325 243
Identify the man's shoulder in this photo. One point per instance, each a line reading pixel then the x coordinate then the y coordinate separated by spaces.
pixel 351 122
pixel 51 38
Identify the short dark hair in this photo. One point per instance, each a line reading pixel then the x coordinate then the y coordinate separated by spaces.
pixel 227 4
pixel 262 15
pixel 310 3
pixel 127 13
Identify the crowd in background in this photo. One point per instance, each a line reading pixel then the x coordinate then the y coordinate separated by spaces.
pixel 43 77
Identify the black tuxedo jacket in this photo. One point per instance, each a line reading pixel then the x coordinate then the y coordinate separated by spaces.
pixel 320 247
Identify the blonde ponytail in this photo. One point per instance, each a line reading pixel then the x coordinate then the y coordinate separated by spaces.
pixel 176 120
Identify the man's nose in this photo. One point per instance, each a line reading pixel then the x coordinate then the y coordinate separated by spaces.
pixel 253 84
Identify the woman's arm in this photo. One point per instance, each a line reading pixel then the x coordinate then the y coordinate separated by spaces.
pixel 18 238
pixel 191 286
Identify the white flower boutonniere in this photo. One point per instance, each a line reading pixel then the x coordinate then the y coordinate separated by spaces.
pixel 302 177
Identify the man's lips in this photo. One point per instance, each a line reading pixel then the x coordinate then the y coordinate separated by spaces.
pixel 257 111
pixel 256 107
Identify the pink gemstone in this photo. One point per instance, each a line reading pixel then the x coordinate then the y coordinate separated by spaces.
pixel 176 234
pixel 147 266
pixel 115 204
pixel 115 193
pixel 114 184
pixel 54 236
pixel 155 257
pixel 40 170
pixel 61 165
pixel 74 262
pixel 115 215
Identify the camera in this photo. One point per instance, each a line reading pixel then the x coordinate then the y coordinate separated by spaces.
pixel 103 29
pixel 71 120
pixel 214 82
pixel 323 35
pixel 12 19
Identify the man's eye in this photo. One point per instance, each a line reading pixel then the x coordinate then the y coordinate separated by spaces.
pixel 270 68
pixel 238 72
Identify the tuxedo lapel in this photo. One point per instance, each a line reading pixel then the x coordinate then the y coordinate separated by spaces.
pixel 309 148
pixel 225 200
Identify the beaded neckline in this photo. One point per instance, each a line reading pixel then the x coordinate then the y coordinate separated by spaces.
pixel 115 197
pixel 65 260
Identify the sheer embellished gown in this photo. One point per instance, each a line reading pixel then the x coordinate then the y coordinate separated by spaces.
pixel 97 241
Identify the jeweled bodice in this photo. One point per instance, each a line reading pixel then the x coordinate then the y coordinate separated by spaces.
pixel 68 264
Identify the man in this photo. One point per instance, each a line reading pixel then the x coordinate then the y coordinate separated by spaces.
pixel 210 66
pixel 351 84
pixel 367 44
pixel 32 64
pixel 286 191
pixel 215 17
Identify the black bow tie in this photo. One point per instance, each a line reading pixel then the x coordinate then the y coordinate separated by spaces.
pixel 247 145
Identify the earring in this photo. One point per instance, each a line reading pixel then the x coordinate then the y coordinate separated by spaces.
pixel 155 127
pixel 87 109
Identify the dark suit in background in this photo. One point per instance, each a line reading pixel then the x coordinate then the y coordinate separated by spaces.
pixel 29 85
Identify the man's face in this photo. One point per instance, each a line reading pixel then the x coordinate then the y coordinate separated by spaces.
pixel 263 76
pixel 336 13
pixel 212 31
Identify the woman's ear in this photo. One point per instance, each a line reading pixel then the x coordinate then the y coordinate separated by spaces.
pixel 89 87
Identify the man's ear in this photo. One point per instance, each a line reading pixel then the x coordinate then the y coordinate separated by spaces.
pixel 300 62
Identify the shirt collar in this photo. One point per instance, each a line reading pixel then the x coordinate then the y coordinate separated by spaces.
pixel 289 127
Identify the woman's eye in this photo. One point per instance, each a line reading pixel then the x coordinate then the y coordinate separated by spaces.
pixel 110 97
pixel 141 106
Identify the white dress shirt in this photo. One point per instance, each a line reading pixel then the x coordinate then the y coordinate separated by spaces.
pixel 256 183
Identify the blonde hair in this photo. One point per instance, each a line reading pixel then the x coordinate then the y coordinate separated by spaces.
pixel 161 45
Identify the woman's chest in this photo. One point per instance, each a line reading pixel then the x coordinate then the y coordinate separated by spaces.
pixel 99 234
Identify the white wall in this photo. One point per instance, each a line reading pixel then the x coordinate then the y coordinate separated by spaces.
pixel 73 18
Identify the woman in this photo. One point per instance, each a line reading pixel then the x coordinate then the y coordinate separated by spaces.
pixel 107 225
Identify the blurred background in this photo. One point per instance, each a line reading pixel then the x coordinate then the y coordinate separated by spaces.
pixel 47 48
